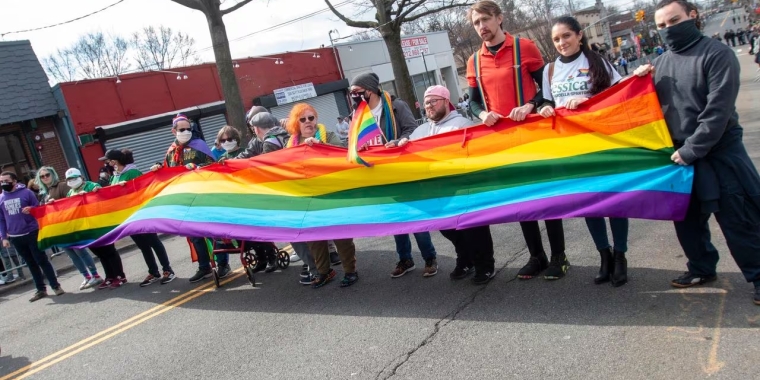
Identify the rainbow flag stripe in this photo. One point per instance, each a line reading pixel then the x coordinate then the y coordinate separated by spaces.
pixel 363 129
pixel 610 159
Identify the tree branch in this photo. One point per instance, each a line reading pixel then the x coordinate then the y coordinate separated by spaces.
pixel 404 18
pixel 235 7
pixel 193 4
pixel 411 9
pixel 349 22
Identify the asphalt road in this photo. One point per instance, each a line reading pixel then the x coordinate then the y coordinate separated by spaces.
pixel 409 327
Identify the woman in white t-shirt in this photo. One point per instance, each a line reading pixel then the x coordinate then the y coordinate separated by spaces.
pixel 578 74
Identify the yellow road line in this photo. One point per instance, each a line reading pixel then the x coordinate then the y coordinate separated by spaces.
pixel 110 332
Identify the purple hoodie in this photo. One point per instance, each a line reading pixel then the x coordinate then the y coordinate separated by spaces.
pixel 12 221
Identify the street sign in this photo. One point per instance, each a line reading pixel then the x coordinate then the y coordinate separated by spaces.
pixel 294 93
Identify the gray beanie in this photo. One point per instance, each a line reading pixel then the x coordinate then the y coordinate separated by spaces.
pixel 367 81
pixel 263 120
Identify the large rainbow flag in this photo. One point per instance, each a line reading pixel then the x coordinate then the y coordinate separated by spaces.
pixel 611 158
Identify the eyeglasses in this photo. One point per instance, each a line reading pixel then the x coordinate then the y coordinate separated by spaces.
pixel 303 119
pixel 46 175
pixel 432 102
pixel 184 129
pixel 227 140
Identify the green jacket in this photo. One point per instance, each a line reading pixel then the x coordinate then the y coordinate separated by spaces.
pixel 86 188
pixel 126 175
pixel 233 154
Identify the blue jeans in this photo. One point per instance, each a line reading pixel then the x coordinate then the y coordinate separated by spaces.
pixel 36 260
pixel 204 260
pixel 424 243
pixel 82 261
pixel 598 229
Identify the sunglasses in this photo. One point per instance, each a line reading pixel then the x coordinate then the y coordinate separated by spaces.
pixel 184 129
pixel 45 175
pixel 226 140
pixel 303 119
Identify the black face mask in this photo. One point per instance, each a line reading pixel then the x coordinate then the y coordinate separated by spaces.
pixel 357 98
pixel 681 36
pixel 8 187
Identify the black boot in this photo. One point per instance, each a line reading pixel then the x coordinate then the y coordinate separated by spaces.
pixel 605 270
pixel 620 272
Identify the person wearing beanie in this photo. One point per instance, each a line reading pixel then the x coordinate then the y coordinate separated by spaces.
pixel 394 117
pixel 268 135
pixel 19 228
pixel 108 255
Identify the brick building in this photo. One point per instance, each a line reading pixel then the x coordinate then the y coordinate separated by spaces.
pixel 31 134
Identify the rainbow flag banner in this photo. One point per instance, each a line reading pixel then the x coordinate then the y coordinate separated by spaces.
pixel 363 129
pixel 610 158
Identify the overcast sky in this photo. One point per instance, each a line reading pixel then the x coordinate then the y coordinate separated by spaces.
pixel 132 15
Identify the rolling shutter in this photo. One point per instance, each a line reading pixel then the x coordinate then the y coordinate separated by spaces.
pixel 211 126
pixel 147 147
pixel 327 110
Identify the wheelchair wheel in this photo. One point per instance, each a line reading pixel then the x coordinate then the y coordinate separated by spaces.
pixel 251 276
pixel 249 259
pixel 283 259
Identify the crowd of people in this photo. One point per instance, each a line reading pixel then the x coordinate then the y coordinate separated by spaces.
pixel 700 94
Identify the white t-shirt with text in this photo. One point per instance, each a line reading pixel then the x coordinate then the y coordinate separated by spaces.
pixel 571 80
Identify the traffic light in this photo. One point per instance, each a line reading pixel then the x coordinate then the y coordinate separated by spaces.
pixel 640 15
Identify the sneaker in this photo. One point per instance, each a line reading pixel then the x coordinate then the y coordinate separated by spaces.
pixel 483 278
pixel 322 279
pixel 431 268
pixel 200 275
pixel 9 279
pixel 461 272
pixel 557 267
pixel 38 296
pixel 534 267
pixel 334 259
pixel 349 279
pixel 260 266
pixel 85 284
pixel 149 280
pixel 59 291
pixel 689 279
pixel 167 277
pixel 119 281
pixel 294 258
pixel 223 271
pixel 2 280
pixel 123 280
pixel 307 280
pixel 105 284
pixel 757 294
pixel 271 265
pixel 305 272
pixel 95 281
pixel 402 267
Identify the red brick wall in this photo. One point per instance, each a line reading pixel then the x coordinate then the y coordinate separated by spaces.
pixel 51 153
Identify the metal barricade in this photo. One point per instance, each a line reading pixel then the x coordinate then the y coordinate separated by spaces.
pixel 11 266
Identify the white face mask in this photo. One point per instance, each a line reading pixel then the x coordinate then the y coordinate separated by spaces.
pixel 74 183
pixel 102 175
pixel 184 137
pixel 230 145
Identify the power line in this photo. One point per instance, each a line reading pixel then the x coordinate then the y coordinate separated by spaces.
pixel 62 23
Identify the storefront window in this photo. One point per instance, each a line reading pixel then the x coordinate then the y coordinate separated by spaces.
pixel 390 87
pixel 12 156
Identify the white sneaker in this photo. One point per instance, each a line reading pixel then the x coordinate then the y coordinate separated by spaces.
pixel 85 284
pixel 294 258
pixel 2 280
pixel 95 281
pixel 9 279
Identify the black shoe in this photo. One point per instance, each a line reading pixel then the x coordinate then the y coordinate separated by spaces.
pixel 334 259
pixel 690 279
pixel 307 280
pixel 305 272
pixel 483 277
pixel 534 267
pixel 557 267
pixel 271 265
pixel 619 274
pixel 223 271
pixel 200 275
pixel 606 267
pixel 757 294
pixel 322 279
pixel 349 279
pixel 461 272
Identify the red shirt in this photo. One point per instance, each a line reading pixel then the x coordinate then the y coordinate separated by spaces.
pixel 497 74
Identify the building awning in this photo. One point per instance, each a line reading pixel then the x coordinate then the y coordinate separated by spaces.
pixel 111 131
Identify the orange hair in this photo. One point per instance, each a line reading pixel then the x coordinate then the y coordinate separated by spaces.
pixel 293 125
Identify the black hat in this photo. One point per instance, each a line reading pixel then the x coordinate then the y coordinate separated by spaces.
pixel 113 154
pixel 367 81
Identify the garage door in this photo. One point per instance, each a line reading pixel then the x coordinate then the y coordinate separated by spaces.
pixel 147 147
pixel 327 110
pixel 211 126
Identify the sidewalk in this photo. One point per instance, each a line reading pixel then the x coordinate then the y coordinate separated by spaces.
pixel 62 263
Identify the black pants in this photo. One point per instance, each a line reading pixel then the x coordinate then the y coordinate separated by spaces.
pixel 532 234
pixel 36 260
pixel 742 234
pixel 110 260
pixel 149 243
pixel 474 246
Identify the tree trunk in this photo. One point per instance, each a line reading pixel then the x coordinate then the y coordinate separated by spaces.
pixel 230 89
pixel 400 71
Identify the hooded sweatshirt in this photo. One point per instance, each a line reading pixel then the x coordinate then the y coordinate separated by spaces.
pixel 13 222
pixel 453 121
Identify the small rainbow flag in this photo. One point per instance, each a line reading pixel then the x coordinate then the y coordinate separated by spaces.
pixel 363 129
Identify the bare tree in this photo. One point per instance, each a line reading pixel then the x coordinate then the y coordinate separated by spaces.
pixel 463 38
pixel 539 30
pixel 213 11
pixel 94 55
pixel 365 35
pixel 163 48
pixel 390 15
